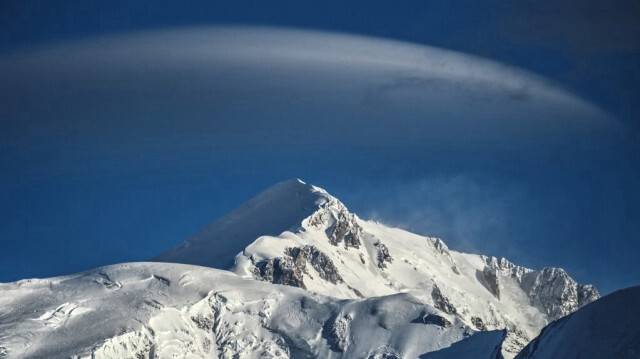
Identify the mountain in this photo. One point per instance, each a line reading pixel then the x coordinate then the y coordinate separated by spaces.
pixel 291 274
pixel 607 328
pixel 299 235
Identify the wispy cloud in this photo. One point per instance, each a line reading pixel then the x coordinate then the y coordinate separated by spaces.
pixel 470 212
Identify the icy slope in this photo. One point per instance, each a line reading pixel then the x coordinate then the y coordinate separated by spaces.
pixel 481 345
pixel 324 248
pixel 606 328
pixel 161 310
pixel 281 207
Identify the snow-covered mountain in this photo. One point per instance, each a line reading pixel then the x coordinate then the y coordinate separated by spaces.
pixel 299 235
pixel 298 276
pixel 607 328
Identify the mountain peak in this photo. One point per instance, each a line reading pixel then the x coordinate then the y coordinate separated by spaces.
pixel 292 184
pixel 279 208
pixel 292 181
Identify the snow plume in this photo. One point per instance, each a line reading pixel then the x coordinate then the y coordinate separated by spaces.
pixel 472 214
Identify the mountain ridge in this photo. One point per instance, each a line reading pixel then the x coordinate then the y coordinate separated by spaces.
pixel 299 276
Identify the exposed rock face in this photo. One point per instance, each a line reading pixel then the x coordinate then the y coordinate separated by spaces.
pixel 383 255
pixel 514 341
pixel 338 336
pixel 506 268
pixel 318 260
pixel 557 294
pixel 203 322
pixel 587 293
pixel 478 323
pixel 436 320
pixel 491 278
pixel 280 271
pixel 341 226
pixel 346 230
pixel 551 290
pixel 441 248
pixel 290 270
pixel 441 302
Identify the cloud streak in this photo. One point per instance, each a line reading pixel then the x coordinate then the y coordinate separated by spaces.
pixel 471 213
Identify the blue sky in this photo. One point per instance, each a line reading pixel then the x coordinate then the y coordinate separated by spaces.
pixel 102 175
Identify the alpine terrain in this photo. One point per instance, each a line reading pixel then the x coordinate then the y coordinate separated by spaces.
pixel 293 274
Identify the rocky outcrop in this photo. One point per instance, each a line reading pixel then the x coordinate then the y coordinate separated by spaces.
pixel 439 246
pixel 478 323
pixel 551 290
pixel 338 335
pixel 555 293
pixel 441 249
pixel 280 271
pixel 514 341
pixel 340 226
pixel 506 268
pixel 438 320
pixel 345 230
pixel 491 279
pixel 587 293
pixel 320 262
pixel 290 269
pixel 441 302
pixel 383 256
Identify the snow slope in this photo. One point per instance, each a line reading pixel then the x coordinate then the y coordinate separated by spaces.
pixel 163 310
pixel 607 328
pixel 279 208
pixel 481 345
pixel 324 248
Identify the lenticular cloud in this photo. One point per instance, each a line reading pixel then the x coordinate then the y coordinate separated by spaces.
pixel 245 85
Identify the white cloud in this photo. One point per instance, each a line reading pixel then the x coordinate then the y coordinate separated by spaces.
pixel 264 85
